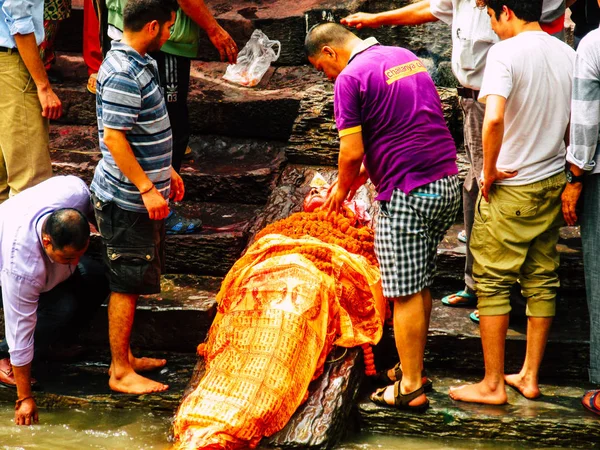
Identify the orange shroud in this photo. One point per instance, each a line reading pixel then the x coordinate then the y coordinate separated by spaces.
pixel 282 308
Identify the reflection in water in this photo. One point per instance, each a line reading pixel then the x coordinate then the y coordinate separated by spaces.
pixel 118 429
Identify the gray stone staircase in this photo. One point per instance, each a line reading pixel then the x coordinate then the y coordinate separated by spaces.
pixel 254 154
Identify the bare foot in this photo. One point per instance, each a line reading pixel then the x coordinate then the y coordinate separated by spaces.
pixel 526 387
pixel 143 364
pixel 132 383
pixel 388 397
pixel 147 364
pixel 479 393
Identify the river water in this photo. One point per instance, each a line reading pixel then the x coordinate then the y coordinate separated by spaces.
pixel 119 429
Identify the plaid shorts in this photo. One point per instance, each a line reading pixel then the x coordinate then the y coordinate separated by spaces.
pixel 409 229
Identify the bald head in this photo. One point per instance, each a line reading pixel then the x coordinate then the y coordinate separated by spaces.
pixel 67 227
pixel 327 34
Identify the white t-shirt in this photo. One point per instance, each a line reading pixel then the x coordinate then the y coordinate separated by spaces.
pixel 534 72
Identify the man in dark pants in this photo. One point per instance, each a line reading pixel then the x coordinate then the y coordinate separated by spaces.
pixel 47 288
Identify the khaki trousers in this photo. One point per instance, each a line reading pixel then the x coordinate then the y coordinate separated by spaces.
pixel 24 152
pixel 514 238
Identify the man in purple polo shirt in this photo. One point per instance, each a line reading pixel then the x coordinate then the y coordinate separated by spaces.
pixel 392 130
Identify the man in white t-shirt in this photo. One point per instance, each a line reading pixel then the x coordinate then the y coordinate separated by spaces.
pixel 527 91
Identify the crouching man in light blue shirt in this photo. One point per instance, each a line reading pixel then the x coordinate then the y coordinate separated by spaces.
pixel 47 289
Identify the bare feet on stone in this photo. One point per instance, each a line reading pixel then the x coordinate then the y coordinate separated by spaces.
pixel 528 388
pixel 132 383
pixel 479 393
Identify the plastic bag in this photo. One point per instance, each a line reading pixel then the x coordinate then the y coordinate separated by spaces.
pixel 254 60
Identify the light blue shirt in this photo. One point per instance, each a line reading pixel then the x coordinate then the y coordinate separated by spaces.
pixel 26 271
pixel 21 17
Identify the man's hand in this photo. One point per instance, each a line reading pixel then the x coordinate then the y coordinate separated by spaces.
pixel 224 43
pixel 491 177
pixel 27 412
pixel 177 188
pixel 51 105
pixel 155 204
pixel 569 198
pixel 335 200
pixel 361 20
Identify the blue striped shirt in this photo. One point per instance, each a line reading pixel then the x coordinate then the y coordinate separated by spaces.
pixel 130 99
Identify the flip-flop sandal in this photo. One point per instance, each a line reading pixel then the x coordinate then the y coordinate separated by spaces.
pixel 462 236
pixel 470 300
pixel 6 376
pixel 401 401
pixel 382 378
pixel 176 224
pixel 591 406
pixel 474 317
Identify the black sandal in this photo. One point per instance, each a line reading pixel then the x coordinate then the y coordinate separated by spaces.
pixel 382 378
pixel 401 401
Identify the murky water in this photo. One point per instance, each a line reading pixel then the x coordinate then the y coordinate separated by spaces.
pixel 119 429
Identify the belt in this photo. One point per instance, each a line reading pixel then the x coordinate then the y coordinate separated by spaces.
pixel 8 50
pixel 467 92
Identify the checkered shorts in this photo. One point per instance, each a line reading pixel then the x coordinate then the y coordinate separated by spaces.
pixel 409 229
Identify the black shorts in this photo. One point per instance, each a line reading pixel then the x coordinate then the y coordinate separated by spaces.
pixel 133 248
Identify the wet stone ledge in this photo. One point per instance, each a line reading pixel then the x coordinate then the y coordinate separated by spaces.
pixel 556 419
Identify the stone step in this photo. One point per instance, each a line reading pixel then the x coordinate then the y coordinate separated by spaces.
pixel 451 259
pixel 216 106
pixel 557 419
pixel 176 320
pixel 220 169
pixel 225 234
pixel 454 342
pixel 84 384
pixel 293 104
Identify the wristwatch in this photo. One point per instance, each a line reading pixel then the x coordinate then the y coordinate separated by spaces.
pixel 572 178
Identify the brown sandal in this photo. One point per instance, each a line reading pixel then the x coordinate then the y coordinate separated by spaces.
pixel 401 401
pixel 382 378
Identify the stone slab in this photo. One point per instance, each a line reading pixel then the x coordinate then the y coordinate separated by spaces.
pixel 215 106
pixel 84 384
pixel 219 169
pixel 556 419
pixel 321 421
pixel 176 320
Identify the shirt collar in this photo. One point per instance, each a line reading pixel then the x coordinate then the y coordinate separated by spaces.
pixel 365 44
pixel 119 46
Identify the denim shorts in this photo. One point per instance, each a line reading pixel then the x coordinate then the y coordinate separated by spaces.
pixel 133 248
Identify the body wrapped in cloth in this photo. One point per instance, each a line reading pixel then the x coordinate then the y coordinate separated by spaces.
pixel 303 286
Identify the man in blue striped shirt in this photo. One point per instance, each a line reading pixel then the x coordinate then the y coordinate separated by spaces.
pixel 134 180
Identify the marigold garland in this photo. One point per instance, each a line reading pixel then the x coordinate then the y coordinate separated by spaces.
pixel 331 228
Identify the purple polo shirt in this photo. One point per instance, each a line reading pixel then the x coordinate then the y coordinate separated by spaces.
pixel 387 94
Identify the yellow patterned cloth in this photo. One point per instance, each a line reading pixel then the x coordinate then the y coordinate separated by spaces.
pixel 282 308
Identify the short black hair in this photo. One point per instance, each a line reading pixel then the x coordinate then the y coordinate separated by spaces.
pixel 527 10
pixel 138 13
pixel 325 34
pixel 67 227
